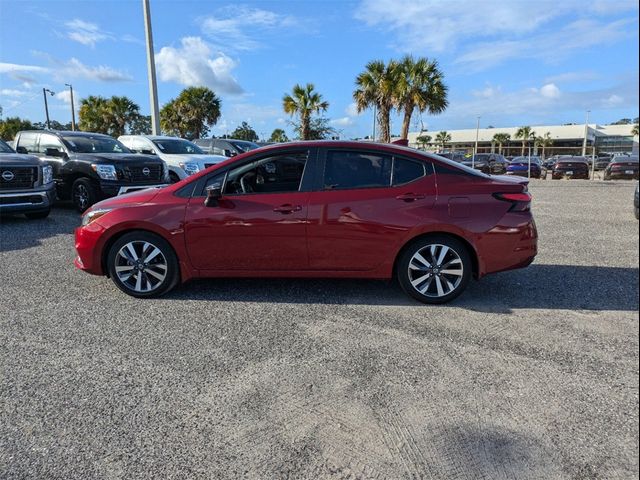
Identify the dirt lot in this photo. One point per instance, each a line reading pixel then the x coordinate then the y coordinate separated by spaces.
pixel 530 374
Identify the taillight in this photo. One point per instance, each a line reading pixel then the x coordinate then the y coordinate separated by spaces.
pixel 520 202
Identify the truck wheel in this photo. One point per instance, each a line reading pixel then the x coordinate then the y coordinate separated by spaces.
pixel 173 177
pixel 83 194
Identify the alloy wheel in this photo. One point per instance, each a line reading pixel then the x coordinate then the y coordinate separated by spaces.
pixel 81 196
pixel 141 266
pixel 436 270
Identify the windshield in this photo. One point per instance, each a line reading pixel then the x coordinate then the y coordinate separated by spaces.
pixel 632 158
pixel 244 146
pixel 177 146
pixel 4 148
pixel 525 160
pixel 94 144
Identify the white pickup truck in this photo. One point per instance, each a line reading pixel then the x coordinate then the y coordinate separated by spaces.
pixel 183 157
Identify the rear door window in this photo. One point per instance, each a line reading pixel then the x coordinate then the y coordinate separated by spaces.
pixel 350 170
pixel 29 141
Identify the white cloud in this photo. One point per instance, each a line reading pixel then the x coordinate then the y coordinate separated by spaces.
pixel 550 91
pixel 230 26
pixel 496 30
pixel 65 96
pixel 10 92
pixel 74 68
pixel 342 122
pixel 192 64
pixel 352 110
pixel 16 68
pixel 86 33
pixel 613 100
pixel 574 36
pixel 573 77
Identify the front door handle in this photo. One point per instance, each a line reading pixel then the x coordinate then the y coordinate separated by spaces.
pixel 287 208
pixel 410 197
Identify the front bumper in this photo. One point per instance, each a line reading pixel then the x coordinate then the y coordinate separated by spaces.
pixel 28 201
pixel 87 243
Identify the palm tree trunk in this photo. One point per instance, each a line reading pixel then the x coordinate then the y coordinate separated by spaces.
pixel 524 146
pixel 383 123
pixel 304 127
pixel 408 111
pixel 500 148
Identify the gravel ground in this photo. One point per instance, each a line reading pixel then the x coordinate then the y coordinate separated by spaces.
pixel 530 374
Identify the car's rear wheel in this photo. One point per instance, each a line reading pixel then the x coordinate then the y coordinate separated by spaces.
pixel 143 265
pixel 83 194
pixel 435 269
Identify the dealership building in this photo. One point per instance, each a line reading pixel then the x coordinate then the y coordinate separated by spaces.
pixel 567 139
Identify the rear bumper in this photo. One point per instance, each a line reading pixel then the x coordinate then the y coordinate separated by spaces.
pixel 28 201
pixel 622 175
pixel 557 175
pixel 513 243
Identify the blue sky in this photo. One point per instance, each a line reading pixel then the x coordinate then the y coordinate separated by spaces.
pixel 513 62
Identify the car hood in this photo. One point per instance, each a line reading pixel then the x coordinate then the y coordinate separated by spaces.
pixel 134 198
pixel 117 158
pixel 19 159
pixel 201 160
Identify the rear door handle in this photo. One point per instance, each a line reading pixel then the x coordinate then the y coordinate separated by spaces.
pixel 287 208
pixel 410 197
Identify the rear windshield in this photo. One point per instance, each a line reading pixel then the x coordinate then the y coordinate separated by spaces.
pixel 456 165
pixel 94 144
pixel 572 159
pixel 245 146
pixel 625 159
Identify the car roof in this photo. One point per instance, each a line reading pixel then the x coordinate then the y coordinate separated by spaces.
pixel 61 133
pixel 154 137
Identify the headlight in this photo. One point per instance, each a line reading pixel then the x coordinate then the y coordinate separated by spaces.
pixel 105 172
pixel 47 174
pixel 190 168
pixel 92 215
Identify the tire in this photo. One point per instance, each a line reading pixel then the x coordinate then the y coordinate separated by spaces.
pixel 173 177
pixel 446 287
pixel 83 194
pixel 145 280
pixel 38 215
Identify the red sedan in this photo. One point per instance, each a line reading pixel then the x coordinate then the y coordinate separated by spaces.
pixel 316 209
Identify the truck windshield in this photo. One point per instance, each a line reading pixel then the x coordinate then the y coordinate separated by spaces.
pixel 177 146
pixel 94 144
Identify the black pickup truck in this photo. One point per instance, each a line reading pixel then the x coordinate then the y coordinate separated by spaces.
pixel 26 184
pixel 88 167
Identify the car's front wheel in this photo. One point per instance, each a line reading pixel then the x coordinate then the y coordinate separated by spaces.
pixel 83 194
pixel 435 269
pixel 143 265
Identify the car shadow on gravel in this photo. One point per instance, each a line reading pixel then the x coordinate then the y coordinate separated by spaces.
pixel 17 232
pixel 567 287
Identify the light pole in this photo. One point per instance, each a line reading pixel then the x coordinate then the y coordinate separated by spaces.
pixel 475 149
pixel 533 136
pixel 73 112
pixel 586 131
pixel 46 106
pixel 151 67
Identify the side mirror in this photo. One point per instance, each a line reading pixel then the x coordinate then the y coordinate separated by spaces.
pixel 53 152
pixel 21 150
pixel 147 152
pixel 229 153
pixel 214 194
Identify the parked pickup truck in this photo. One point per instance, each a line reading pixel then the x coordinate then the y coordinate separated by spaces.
pixel 26 184
pixel 88 167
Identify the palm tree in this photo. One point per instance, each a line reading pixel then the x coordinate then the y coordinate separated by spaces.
pixel 304 102
pixel 191 113
pixel 423 140
pixel 93 114
pixel 501 139
pixel 420 85
pixel 443 138
pixel 121 111
pixel 525 133
pixel 278 136
pixel 634 130
pixel 376 87
pixel 545 142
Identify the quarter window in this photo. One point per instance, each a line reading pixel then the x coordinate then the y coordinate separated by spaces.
pixel 405 171
pixel 356 170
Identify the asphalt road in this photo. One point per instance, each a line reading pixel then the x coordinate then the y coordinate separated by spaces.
pixel 531 374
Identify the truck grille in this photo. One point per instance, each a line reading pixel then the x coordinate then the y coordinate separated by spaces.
pixel 18 177
pixel 138 173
